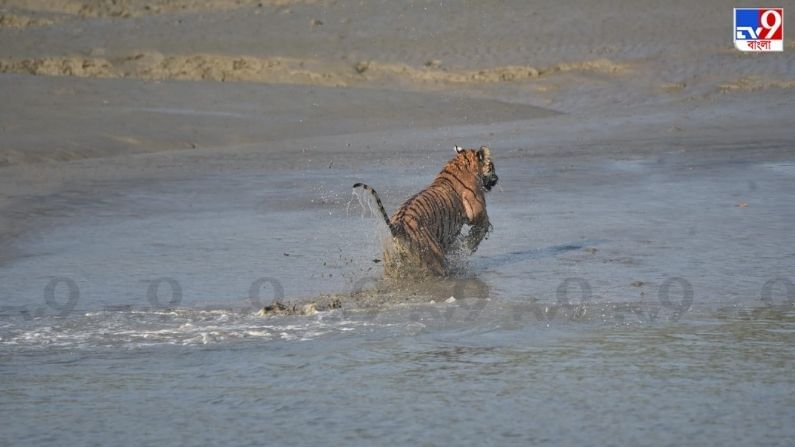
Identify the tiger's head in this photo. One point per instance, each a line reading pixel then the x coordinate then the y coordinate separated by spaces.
pixel 480 160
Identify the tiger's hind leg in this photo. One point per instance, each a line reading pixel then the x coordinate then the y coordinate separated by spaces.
pixel 428 257
pixel 434 260
pixel 414 259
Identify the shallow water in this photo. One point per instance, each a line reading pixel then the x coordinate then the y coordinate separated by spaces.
pixel 335 378
pixel 637 289
pixel 643 301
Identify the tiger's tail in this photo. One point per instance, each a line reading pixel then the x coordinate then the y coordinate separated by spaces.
pixel 380 205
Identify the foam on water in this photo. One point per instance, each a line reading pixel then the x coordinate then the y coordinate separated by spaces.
pixel 140 328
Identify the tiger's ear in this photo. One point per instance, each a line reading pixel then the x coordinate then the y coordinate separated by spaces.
pixel 484 153
pixel 458 149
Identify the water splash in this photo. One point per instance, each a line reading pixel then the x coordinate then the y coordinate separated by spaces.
pixel 141 328
pixel 366 203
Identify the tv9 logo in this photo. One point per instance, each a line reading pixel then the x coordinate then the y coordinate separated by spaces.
pixel 759 29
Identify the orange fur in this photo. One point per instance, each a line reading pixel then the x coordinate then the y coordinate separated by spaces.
pixel 426 227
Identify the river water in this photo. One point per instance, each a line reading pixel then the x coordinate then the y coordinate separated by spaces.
pixel 620 300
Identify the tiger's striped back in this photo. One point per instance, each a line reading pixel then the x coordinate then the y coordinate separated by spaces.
pixel 434 212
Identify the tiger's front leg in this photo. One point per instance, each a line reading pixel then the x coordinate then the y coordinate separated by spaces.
pixel 477 233
pixel 476 216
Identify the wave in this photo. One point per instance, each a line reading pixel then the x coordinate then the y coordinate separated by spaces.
pixel 139 328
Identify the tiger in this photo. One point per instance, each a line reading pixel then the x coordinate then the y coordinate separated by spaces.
pixel 426 228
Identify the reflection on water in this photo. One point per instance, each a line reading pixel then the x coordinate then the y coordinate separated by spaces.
pixel 520 256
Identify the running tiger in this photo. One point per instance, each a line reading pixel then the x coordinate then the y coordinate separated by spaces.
pixel 426 227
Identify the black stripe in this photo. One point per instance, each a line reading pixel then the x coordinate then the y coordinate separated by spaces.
pixel 463 185
pixel 439 213
pixel 416 211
